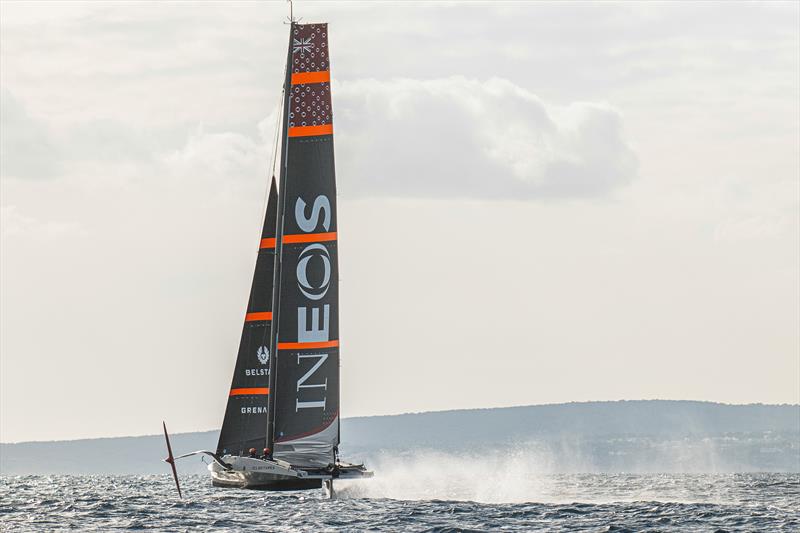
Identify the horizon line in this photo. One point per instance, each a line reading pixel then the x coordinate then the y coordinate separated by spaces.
pixel 430 412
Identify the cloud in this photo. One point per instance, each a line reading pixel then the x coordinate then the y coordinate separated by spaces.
pixel 26 149
pixel 459 137
pixel 441 138
pixel 13 223
pixel 221 156
pixel 759 214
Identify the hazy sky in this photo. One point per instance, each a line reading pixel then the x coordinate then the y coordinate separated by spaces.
pixel 541 202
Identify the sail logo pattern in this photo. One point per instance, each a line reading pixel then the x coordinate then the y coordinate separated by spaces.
pixel 311 41
pixel 310 110
pixel 263 355
pixel 310 252
pixel 257 410
pixel 301 383
pixel 313 323
pixel 301 45
pixel 311 105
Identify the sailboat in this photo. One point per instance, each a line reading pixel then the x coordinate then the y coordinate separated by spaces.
pixel 281 426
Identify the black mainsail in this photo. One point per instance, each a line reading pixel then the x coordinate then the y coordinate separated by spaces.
pixel 304 406
pixel 245 423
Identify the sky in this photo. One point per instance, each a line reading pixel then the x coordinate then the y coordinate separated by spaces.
pixel 538 203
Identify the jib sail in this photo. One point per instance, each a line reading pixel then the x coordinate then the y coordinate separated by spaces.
pixel 305 426
pixel 245 422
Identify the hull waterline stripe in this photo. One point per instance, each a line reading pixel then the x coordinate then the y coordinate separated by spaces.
pixel 256 391
pixel 307 345
pixel 321 76
pixel 268 243
pixel 307 131
pixel 253 317
pixel 309 237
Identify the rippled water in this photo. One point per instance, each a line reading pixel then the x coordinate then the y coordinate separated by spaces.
pixel 581 502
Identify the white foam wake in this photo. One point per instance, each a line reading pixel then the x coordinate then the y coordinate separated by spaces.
pixel 494 478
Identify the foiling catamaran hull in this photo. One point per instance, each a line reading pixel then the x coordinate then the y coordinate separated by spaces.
pixel 261 474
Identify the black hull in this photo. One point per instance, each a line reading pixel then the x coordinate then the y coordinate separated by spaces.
pixel 283 485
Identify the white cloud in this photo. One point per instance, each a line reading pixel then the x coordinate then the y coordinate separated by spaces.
pixel 13 223
pixel 224 156
pixel 767 212
pixel 26 147
pixel 459 137
pixel 449 137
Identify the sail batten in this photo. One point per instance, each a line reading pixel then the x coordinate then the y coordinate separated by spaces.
pixel 256 391
pixel 310 237
pixel 258 316
pixel 310 131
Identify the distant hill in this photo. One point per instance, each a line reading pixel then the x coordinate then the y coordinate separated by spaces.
pixel 633 436
pixel 654 418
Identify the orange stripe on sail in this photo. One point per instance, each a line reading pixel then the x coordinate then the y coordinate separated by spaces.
pixel 320 76
pixel 268 243
pixel 309 237
pixel 258 391
pixel 307 345
pixel 251 317
pixel 307 131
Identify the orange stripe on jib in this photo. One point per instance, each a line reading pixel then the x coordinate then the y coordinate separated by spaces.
pixel 252 317
pixel 321 76
pixel 307 345
pixel 268 243
pixel 257 391
pixel 308 131
pixel 309 237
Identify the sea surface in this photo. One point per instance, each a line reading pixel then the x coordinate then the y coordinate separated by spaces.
pixel 573 502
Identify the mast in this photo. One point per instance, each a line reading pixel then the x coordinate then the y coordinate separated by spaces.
pixel 276 293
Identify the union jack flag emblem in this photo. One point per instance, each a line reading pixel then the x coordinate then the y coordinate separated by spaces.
pixel 301 45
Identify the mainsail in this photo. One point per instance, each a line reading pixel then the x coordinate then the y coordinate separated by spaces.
pixel 304 406
pixel 245 423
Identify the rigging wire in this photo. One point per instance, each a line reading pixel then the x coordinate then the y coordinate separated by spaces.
pixel 276 137
pixel 276 133
pixel 274 157
pixel 277 128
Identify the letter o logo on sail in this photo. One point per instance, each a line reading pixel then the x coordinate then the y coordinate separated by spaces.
pixel 309 252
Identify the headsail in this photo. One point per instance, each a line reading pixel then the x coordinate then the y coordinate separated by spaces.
pixel 306 384
pixel 245 423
